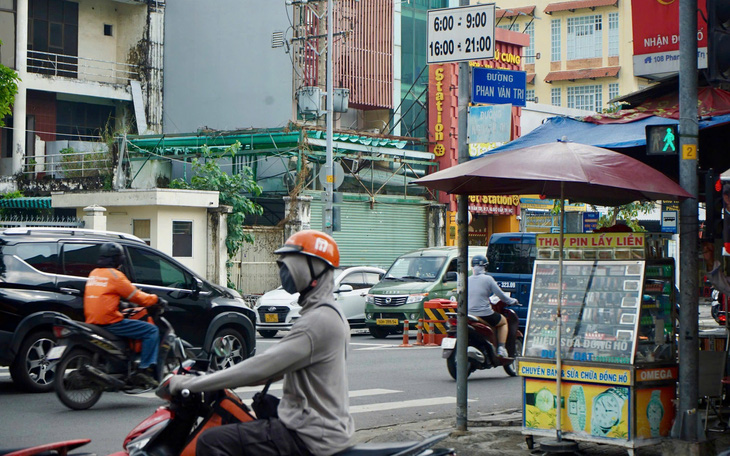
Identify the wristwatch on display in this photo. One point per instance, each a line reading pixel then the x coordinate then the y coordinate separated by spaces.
pixel 655 412
pixel 577 408
pixel 607 409
pixel 543 399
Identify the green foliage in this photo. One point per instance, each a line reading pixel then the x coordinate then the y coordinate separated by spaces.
pixel 85 164
pixel 8 88
pixel 233 188
pixel 11 195
pixel 627 213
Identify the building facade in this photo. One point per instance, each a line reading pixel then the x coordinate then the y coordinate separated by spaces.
pixel 87 68
pixel 580 54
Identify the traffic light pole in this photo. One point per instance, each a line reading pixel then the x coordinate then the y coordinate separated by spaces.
pixel 687 425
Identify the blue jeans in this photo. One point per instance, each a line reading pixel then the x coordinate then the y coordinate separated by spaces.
pixel 137 329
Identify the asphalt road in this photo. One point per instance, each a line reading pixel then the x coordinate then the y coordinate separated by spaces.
pixel 388 385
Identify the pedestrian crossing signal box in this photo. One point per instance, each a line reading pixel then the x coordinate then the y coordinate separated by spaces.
pixel 662 139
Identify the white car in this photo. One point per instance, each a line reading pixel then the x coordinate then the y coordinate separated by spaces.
pixel 276 310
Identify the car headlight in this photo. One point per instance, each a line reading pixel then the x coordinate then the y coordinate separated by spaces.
pixel 369 299
pixel 414 317
pixel 417 297
pixel 258 302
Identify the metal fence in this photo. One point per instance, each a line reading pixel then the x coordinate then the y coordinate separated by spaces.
pixel 23 221
pixel 69 163
pixel 84 68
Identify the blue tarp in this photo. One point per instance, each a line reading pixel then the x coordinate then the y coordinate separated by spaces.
pixel 610 136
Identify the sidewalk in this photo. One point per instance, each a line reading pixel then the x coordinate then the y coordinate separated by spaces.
pixel 500 435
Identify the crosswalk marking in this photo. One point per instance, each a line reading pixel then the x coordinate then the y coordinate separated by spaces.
pixel 430 401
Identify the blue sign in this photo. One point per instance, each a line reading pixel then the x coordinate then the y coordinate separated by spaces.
pixel 498 86
pixel 669 221
pixel 590 221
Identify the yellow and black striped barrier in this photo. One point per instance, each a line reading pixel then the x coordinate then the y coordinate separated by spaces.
pixel 435 319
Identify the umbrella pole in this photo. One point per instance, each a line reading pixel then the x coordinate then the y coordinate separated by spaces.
pixel 558 351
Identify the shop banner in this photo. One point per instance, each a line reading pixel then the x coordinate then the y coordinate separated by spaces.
pixel 592 241
pixel 588 374
pixel 591 410
pixel 657 374
pixel 494 204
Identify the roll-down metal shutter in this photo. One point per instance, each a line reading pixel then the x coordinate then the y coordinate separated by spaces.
pixel 376 236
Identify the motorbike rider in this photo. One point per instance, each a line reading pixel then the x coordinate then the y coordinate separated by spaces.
pixel 106 285
pixel 481 287
pixel 314 417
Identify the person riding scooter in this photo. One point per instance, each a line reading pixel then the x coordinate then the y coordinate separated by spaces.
pixel 106 285
pixel 313 415
pixel 481 287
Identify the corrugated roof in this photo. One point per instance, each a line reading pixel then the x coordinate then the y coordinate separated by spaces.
pixel 27 202
pixel 578 4
pixel 589 73
pixel 511 12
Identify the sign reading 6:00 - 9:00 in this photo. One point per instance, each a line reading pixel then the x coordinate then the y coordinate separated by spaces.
pixel 460 34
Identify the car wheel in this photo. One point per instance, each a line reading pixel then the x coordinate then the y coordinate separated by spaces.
pixel 229 348
pixel 379 333
pixel 31 369
pixel 268 333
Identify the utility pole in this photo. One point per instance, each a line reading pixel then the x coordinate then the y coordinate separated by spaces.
pixel 687 425
pixel 329 166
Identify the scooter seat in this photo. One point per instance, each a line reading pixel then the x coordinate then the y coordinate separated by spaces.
pixel 376 449
pixel 102 332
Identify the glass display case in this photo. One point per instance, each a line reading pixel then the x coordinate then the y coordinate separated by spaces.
pixel 618 353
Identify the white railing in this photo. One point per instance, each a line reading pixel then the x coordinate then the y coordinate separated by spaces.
pixel 83 68
pixel 69 164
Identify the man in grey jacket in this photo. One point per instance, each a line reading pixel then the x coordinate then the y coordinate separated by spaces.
pixel 314 416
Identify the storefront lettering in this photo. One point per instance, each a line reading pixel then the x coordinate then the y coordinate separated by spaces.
pixel 655 374
pixel 505 58
pixel 592 241
pixel 438 135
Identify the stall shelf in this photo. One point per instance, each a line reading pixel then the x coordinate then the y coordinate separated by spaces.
pixel 619 369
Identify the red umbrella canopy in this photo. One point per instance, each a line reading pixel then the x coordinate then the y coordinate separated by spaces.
pixel 590 174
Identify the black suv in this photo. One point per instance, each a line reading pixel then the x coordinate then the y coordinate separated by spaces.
pixel 43 273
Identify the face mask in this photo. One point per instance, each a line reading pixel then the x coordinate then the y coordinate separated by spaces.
pixel 287 281
pixel 478 269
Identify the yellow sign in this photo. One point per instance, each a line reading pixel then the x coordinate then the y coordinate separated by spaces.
pixel 585 374
pixel 689 152
pixel 438 136
pixel 592 240
pixel 592 410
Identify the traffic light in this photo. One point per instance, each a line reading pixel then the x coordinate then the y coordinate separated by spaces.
pixel 713 208
pixel 662 139
pixel 718 40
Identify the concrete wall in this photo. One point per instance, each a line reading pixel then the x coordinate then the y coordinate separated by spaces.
pixel 127 21
pixel 220 69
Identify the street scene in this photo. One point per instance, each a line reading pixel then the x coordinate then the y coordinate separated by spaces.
pixel 346 227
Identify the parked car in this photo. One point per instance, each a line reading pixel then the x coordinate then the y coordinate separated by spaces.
pixel 411 280
pixel 278 309
pixel 43 273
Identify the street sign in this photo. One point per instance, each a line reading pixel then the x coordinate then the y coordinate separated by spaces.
pixel 669 221
pixel 460 34
pixel 498 86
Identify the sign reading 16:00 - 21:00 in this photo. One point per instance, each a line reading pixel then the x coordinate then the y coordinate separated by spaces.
pixel 461 34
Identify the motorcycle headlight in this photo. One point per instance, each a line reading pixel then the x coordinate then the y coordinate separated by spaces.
pixel 368 316
pixel 369 299
pixel 417 297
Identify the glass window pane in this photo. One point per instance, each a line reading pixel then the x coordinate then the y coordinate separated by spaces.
pixel 141 229
pixel 41 255
pixel 555 40
pixel 152 269
pixel 79 259
pixel 182 239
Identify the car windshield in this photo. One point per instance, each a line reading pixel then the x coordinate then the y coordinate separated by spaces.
pixel 417 268
pixel 511 258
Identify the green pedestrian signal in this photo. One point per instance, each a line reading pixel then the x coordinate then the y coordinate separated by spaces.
pixel 662 139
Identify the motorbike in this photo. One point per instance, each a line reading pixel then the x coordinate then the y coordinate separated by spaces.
pixel 173 429
pixel 719 307
pixel 482 349
pixel 50 449
pixel 91 360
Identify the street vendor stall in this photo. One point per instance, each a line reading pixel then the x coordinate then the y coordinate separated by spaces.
pixel 619 368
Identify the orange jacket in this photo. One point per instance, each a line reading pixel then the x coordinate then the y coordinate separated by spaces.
pixel 103 290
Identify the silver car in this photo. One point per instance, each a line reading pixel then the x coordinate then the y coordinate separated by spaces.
pixel 276 310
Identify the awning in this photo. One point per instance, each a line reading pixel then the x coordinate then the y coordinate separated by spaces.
pixel 511 12
pixel 581 4
pixel 27 202
pixel 531 78
pixel 610 136
pixel 589 73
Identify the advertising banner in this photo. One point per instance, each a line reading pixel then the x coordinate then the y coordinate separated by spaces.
pixel 587 374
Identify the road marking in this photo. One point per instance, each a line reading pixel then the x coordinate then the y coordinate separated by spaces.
pixel 392 347
pixel 278 386
pixel 404 404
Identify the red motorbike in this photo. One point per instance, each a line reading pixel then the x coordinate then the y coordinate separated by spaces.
pixel 482 350
pixel 173 429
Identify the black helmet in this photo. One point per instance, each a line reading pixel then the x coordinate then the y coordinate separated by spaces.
pixel 479 260
pixel 112 253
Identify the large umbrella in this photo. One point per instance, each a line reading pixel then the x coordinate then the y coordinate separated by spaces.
pixel 559 170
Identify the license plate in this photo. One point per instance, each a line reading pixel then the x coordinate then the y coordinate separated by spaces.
pixel 448 343
pixel 56 352
pixel 387 322
pixel 271 318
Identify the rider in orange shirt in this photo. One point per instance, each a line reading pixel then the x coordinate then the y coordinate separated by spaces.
pixel 106 285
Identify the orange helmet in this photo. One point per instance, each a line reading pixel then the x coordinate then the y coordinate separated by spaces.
pixel 313 243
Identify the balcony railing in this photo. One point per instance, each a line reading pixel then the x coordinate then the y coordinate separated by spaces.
pixel 86 69
pixel 69 163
